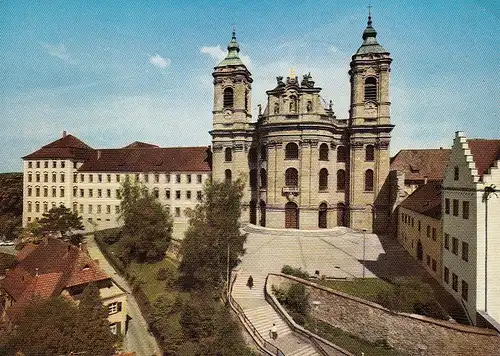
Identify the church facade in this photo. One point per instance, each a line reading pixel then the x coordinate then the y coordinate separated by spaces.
pixel 304 168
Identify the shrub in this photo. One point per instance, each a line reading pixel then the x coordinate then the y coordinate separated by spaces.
pixel 297 272
pixel 162 274
pixel 295 298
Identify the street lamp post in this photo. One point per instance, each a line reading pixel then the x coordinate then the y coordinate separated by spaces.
pixel 364 251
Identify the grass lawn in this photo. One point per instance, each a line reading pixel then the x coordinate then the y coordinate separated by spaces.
pixel 146 273
pixel 348 341
pixel 366 288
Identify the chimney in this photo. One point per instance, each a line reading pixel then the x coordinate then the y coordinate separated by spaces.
pixel 98 154
pixel 425 179
pixel 64 133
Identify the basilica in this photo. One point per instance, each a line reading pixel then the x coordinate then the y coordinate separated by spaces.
pixel 304 167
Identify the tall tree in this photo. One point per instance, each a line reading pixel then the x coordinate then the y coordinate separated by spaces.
pixel 213 229
pixel 61 219
pixel 147 225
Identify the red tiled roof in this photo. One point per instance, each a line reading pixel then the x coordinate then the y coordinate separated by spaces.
pixel 52 266
pixel 26 250
pixel 419 164
pixel 485 153
pixel 66 147
pixel 156 159
pixel 138 144
pixel 425 200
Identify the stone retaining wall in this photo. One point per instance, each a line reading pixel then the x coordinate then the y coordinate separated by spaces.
pixel 409 333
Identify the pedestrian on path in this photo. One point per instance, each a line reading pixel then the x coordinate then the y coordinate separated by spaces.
pixel 273 332
pixel 250 282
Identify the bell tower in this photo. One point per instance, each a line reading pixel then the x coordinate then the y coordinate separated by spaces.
pixel 369 134
pixel 231 127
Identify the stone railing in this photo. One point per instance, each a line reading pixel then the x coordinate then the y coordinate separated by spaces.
pixel 263 344
pixel 324 346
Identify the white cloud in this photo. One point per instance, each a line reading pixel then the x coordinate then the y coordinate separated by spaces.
pixel 58 51
pixel 333 49
pixel 159 61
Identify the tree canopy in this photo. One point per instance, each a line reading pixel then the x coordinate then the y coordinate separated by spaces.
pixel 56 326
pixel 147 225
pixel 11 204
pixel 213 226
pixel 61 219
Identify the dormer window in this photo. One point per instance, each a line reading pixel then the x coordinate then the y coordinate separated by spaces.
pixel 371 89
pixel 228 98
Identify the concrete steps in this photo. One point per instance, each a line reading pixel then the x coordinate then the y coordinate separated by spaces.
pixel 306 350
pixel 340 230
pixel 263 319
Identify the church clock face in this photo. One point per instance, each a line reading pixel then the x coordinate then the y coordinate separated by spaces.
pixel 227 114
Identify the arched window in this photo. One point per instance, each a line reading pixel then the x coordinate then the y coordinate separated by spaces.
pixel 322 216
pixel 263 152
pixel 309 106
pixel 291 151
pixel 228 98
pixel 369 180
pixel 228 175
pixel 323 179
pixel 253 178
pixel 369 153
pixel 252 155
pixel 341 214
pixel 291 177
pixel 341 180
pixel 276 108
pixel 323 152
pixel 228 154
pixel 263 178
pixel 341 154
pixel 370 89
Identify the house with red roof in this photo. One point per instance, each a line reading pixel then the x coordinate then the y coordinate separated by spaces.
pixel 69 172
pixel 56 268
pixel 471 227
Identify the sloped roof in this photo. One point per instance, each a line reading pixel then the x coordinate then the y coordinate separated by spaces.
pixel 485 153
pixel 421 163
pixel 46 271
pixel 138 144
pixel 67 146
pixel 156 159
pixel 425 200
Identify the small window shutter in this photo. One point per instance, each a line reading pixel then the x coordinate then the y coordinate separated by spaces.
pixel 119 307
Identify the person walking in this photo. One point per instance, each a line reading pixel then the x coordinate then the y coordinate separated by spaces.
pixel 274 332
pixel 250 282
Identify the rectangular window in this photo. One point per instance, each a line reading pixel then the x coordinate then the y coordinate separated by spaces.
pixel 108 193
pixel 157 178
pixel 114 307
pixel 177 178
pixel 75 178
pixel 75 165
pixel 62 193
pixel 177 212
pixel 99 178
pixel 62 177
pixel 29 192
pixel 198 178
pixel 108 178
pixel 465 209
pixel 454 246
pixel 38 164
pixel 98 209
pixel 446 275
pixel 156 193
pixel 465 290
pixel 177 194
pixel 30 164
pixel 146 177
pixel 118 194
pixel 99 193
pixel 91 178
pixel 75 208
pixel 137 177
pixel 46 177
pixel 117 209
pixel 198 195
pixel 30 177
pixel 118 178
pixel 447 241
pixel 454 282
pixel 81 208
pixel 81 193
pixel 91 193
pixel 455 207
pixel 465 251
pixel 37 191
pixel 447 206
pixel 46 164
pixel 434 265
pixel 54 192
pixel 167 177
pixel 63 164
pixel 37 177
pixel 30 207
pixel 434 234
pixel 45 207
pixel 188 195
pixel 45 191
pixel 90 208
pixel 37 207
pixel 82 178
pixel 167 194
pixel 108 209
pixel 188 177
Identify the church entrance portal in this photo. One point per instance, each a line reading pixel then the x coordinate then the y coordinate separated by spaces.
pixel 322 216
pixel 291 216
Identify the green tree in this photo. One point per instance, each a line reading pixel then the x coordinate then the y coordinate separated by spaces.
pixel 61 219
pixel 52 327
pixel 147 228
pixel 213 227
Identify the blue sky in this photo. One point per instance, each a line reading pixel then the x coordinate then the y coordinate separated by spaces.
pixel 113 72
